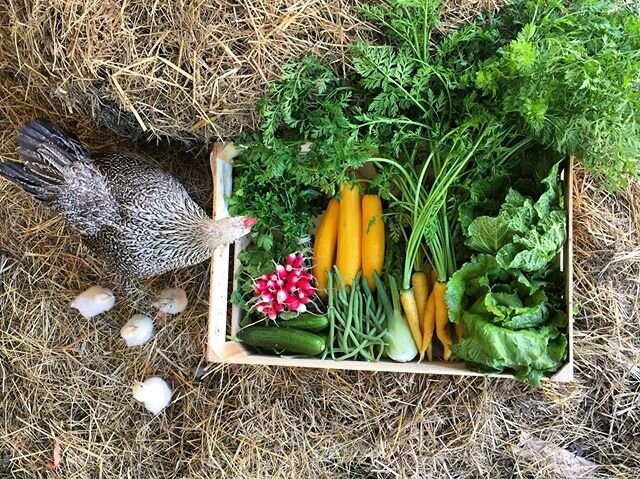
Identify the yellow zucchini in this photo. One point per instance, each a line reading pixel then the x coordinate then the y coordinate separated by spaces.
pixel 324 247
pixel 372 238
pixel 349 255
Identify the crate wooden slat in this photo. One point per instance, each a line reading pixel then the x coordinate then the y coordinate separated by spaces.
pixel 224 320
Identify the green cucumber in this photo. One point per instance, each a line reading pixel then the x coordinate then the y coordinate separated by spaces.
pixel 307 322
pixel 282 340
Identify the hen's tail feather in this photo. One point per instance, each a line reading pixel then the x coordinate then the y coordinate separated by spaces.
pixel 16 173
pixel 42 137
pixel 46 152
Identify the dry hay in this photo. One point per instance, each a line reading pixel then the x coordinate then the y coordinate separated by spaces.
pixel 67 380
pixel 185 70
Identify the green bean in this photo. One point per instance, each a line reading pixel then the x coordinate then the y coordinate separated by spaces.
pixel 330 317
pixel 339 319
pixel 358 350
pixel 357 306
pixel 369 301
pixel 369 337
pixel 347 327
pixel 342 292
pixel 356 320
pixel 379 317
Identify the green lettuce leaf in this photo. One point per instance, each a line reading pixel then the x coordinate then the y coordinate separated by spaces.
pixel 488 235
pixel 552 196
pixel 510 311
pixel 539 246
pixel 518 212
pixel 470 281
pixel 485 198
pixel 530 353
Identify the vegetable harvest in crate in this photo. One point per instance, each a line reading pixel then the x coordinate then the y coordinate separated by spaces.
pixel 415 210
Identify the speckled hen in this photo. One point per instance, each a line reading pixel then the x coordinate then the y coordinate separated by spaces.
pixel 138 218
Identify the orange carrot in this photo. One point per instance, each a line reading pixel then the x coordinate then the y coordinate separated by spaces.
pixel 442 319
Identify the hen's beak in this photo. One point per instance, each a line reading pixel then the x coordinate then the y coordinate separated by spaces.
pixel 249 222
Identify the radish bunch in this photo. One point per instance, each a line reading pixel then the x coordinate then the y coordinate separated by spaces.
pixel 288 288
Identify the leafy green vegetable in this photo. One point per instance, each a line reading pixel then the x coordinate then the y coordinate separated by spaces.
pixel 529 352
pixel 500 296
pixel 565 74
pixel 265 189
pixel 470 282
pixel 485 196
pixel 310 105
pixel 487 234
pixel 524 235
pixel 532 251
pixel 518 212
pixel 510 311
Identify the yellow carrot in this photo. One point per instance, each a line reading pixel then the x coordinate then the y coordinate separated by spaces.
pixel 411 312
pixel 421 292
pixel 428 325
pixel 372 238
pixel 349 255
pixel 324 247
pixel 442 319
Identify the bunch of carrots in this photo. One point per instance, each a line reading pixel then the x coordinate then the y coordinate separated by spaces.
pixel 431 312
pixel 422 292
pixel 351 237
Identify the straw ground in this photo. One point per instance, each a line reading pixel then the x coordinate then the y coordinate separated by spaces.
pixel 66 381
pixel 190 71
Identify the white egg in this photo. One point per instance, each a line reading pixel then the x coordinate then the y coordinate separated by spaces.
pixel 138 330
pixel 94 301
pixel 154 393
pixel 171 301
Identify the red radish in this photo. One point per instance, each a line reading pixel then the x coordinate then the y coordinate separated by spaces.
pixel 288 288
pixel 294 275
pixel 281 271
pixel 281 296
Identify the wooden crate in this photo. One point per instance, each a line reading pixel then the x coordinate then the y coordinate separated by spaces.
pixel 221 323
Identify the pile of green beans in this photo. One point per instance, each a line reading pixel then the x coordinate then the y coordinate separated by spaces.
pixel 356 320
